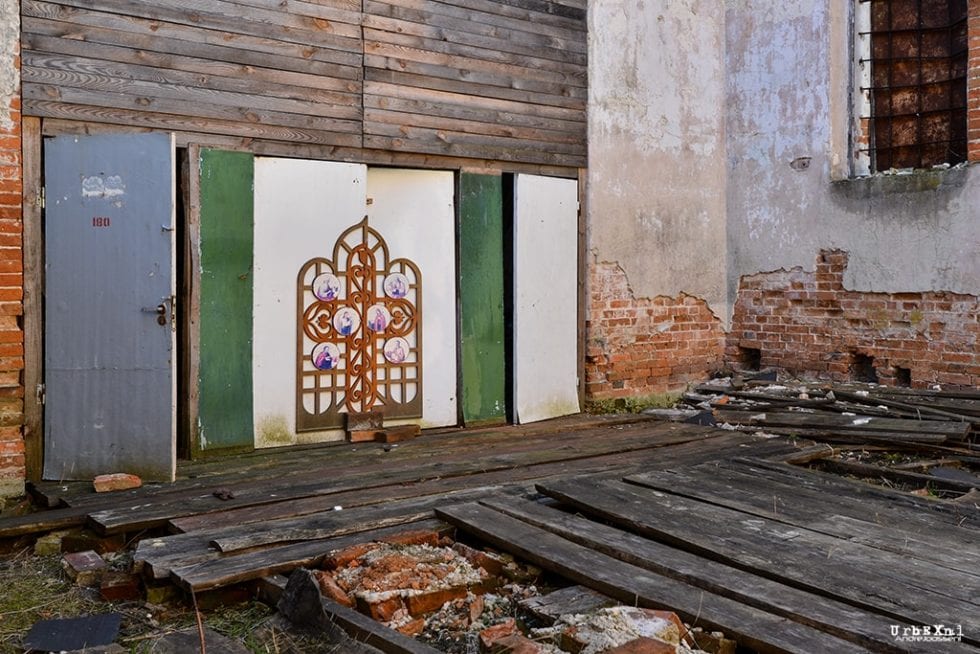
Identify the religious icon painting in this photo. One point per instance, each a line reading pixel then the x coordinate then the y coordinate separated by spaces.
pixel 396 285
pixel 378 318
pixel 326 287
pixel 359 333
pixel 346 321
pixel 396 350
pixel 325 356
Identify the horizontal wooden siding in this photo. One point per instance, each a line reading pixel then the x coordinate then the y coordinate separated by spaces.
pixel 400 81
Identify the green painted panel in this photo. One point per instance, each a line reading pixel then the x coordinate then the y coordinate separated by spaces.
pixel 481 291
pixel 225 377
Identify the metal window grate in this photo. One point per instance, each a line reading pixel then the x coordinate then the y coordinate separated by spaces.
pixel 917 92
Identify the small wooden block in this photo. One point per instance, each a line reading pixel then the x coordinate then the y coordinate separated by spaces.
pixel 365 436
pixel 401 433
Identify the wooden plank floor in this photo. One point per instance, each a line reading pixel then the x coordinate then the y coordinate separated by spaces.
pixel 705 522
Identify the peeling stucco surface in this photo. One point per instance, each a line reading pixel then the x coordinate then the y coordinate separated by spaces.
pixel 656 185
pixel 9 47
pixel 718 136
pixel 903 233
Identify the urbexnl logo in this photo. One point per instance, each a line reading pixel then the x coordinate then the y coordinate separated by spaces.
pixel 936 633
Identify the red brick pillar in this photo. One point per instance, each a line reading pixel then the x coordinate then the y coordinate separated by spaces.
pixel 12 468
pixel 973 84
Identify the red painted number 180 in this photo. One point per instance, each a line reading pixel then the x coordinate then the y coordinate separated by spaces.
pixel 101 221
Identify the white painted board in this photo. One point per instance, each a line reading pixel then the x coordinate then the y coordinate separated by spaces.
pixel 545 297
pixel 414 211
pixel 301 207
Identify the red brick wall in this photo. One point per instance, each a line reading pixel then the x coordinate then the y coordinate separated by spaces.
pixel 11 304
pixel 809 324
pixel 641 346
pixel 973 83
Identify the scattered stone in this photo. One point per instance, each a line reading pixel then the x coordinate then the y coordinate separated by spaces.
pixel 86 568
pixel 162 594
pixel 224 494
pixel 120 587
pixel 49 544
pixel 116 481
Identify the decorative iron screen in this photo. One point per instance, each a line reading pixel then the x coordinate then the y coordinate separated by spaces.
pixel 359 333
pixel 918 62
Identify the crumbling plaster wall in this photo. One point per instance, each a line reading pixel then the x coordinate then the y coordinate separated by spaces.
pixel 9 71
pixel 788 107
pixel 656 181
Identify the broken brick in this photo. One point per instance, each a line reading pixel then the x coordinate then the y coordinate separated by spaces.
pixel 330 589
pixel 516 644
pixel 644 645
pixel 381 610
pixel 116 481
pixel 476 608
pixel 430 601
pixel 480 559
pixel 412 628
pixel 343 557
pixel 491 635
pixel 120 587
pixel 86 568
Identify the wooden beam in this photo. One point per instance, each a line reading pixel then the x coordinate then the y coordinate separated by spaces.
pixel 33 248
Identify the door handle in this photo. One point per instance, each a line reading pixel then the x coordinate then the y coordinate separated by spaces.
pixel 160 310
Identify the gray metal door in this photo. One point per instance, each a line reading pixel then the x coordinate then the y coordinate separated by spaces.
pixel 109 293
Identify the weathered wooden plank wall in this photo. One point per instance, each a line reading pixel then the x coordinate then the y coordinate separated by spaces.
pixel 499 81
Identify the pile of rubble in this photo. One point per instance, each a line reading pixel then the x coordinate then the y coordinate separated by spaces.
pixel 459 599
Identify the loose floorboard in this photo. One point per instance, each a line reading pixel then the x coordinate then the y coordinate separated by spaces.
pixel 709 523
pixel 911 592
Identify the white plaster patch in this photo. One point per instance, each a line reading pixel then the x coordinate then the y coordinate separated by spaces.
pixel 101 186
pixel 9 74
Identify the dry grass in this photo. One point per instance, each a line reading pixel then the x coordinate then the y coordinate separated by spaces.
pixel 36 588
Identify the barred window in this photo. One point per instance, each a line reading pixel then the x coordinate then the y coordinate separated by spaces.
pixel 915 60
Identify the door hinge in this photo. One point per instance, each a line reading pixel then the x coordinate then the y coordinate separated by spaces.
pixel 39 393
pixel 39 198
